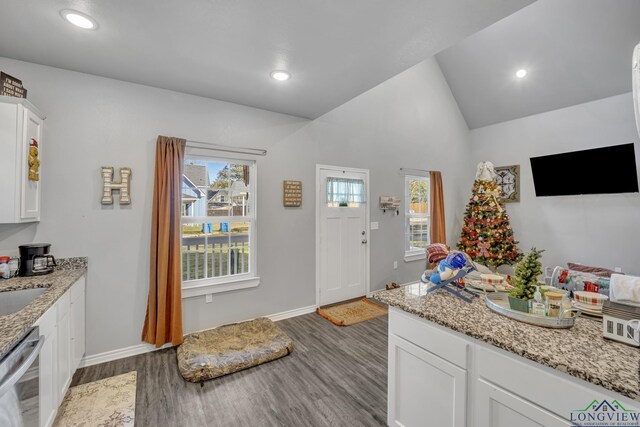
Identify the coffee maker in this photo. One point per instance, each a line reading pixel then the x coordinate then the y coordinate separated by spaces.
pixel 35 259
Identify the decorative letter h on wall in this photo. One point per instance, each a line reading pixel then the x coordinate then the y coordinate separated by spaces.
pixel 108 185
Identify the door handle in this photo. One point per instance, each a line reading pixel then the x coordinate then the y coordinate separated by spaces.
pixel 364 241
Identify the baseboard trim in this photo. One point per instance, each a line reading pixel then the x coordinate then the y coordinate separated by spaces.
pixel 135 350
pixel 121 353
pixel 292 313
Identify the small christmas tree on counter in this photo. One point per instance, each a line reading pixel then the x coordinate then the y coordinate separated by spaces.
pixel 486 235
pixel 525 276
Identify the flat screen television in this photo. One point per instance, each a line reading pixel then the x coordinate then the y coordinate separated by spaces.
pixel 597 171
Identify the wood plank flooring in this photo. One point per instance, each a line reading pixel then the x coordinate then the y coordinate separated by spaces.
pixel 336 376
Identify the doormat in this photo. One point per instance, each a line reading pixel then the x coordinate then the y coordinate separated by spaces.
pixel 108 402
pixel 350 313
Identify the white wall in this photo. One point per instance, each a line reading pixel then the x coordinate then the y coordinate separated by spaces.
pixel 599 230
pixel 411 120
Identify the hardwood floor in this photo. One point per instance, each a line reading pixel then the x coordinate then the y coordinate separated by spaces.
pixel 336 376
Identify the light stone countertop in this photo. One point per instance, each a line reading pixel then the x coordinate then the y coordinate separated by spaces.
pixel 580 351
pixel 14 326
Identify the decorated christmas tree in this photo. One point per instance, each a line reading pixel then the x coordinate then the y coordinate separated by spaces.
pixel 525 277
pixel 486 233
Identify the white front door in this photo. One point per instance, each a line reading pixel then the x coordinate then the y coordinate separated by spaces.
pixel 343 238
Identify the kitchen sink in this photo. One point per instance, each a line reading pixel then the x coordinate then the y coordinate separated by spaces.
pixel 13 301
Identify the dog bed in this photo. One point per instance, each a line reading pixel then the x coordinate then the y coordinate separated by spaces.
pixel 231 348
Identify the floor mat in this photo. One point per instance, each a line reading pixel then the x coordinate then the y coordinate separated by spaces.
pixel 231 348
pixel 350 313
pixel 109 402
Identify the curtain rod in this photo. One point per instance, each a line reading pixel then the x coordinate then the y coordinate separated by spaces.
pixel 227 148
pixel 413 169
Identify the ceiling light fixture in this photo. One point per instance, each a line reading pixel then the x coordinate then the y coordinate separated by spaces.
pixel 280 75
pixel 521 73
pixel 79 19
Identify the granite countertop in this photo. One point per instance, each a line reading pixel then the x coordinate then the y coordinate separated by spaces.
pixel 14 326
pixel 580 351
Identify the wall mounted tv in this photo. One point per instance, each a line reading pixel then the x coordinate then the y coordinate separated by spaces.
pixel 597 171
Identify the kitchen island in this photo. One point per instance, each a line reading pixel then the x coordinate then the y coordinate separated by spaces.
pixel 460 364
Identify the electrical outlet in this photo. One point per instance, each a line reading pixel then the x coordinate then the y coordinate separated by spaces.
pixel 617 269
pixel 375 225
pixel 395 265
pixel 208 298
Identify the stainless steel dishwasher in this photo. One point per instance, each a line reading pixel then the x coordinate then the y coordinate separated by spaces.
pixel 19 383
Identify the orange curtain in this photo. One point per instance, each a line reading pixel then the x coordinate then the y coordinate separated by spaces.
pixel 163 321
pixel 438 230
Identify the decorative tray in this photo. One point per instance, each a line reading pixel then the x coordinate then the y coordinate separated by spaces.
pixel 499 303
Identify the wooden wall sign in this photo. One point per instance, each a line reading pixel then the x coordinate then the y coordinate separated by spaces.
pixel 292 194
pixel 10 86
pixel 108 185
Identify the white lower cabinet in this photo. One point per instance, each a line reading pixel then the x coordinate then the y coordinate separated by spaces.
pixel 77 323
pixel 63 328
pixel 46 369
pixel 416 402
pixel 439 378
pixel 499 408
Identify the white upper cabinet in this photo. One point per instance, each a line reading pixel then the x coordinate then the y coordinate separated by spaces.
pixel 21 126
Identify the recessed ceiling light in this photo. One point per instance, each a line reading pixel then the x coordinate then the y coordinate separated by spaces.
pixel 79 19
pixel 280 75
pixel 521 73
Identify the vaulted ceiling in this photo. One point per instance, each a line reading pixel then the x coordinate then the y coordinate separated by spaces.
pixel 574 51
pixel 225 49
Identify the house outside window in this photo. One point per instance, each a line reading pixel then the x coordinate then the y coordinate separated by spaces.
pixel 218 225
pixel 417 221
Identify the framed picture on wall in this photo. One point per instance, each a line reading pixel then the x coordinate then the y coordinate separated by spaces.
pixel 508 178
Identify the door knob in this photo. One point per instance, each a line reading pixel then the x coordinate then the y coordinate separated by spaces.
pixel 364 241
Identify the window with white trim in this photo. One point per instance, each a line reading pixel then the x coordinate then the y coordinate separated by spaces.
pixel 416 230
pixel 218 224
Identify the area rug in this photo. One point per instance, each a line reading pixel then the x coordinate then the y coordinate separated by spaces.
pixel 350 313
pixel 231 348
pixel 110 402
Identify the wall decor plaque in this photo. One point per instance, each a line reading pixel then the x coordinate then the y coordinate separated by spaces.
pixel 508 179
pixel 10 86
pixel 291 194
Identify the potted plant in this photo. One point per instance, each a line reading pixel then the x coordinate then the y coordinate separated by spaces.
pixel 525 280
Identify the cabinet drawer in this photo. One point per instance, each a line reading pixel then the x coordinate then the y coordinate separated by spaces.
pixel 428 336
pixel 551 389
pixel 77 290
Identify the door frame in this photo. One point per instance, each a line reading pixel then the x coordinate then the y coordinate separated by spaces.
pixel 367 214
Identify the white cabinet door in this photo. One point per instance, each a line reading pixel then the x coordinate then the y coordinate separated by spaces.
pixel 424 390
pixel 77 323
pixel 30 189
pixel 64 346
pixel 499 408
pixel 48 367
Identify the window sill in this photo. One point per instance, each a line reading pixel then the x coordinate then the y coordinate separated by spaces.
pixel 196 290
pixel 414 256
